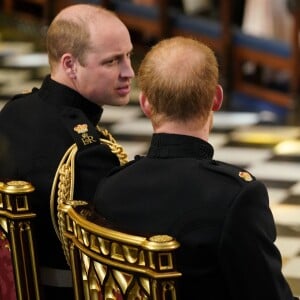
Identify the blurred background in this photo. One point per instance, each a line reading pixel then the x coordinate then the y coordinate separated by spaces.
pixel 257 45
pixel 256 41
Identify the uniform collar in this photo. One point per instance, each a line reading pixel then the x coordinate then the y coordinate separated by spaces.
pixel 165 145
pixel 60 95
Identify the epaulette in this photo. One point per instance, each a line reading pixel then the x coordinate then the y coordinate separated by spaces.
pixel 119 168
pixel 81 129
pixel 24 93
pixel 85 134
pixel 233 171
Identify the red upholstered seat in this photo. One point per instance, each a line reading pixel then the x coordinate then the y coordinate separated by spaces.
pixel 7 281
pixel 18 270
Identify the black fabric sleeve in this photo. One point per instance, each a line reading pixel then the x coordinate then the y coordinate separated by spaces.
pixel 250 260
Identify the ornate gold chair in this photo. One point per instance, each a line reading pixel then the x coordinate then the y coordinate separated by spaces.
pixel 19 279
pixel 109 264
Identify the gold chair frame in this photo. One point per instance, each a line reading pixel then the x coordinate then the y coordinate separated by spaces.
pixel 16 222
pixel 109 264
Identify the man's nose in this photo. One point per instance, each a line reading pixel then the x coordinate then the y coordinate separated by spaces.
pixel 127 70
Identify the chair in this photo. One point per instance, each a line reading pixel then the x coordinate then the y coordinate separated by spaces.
pixel 274 55
pixel 110 264
pixel 39 10
pixel 149 21
pixel 18 275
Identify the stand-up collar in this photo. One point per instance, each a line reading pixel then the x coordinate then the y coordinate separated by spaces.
pixel 60 95
pixel 165 145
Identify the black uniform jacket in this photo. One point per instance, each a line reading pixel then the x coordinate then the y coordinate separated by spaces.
pixel 38 128
pixel 219 213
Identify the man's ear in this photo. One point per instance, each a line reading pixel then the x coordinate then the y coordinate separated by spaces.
pixel 145 105
pixel 218 99
pixel 69 65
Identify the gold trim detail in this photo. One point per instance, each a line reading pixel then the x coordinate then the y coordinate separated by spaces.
pixel 113 263
pixel 115 148
pixel 15 223
pixel 246 176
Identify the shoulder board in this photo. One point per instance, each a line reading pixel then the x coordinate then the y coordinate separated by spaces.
pixel 120 168
pixel 81 129
pixel 233 171
pixel 25 93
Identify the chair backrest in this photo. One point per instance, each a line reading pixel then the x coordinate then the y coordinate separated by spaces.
pixel 216 33
pixel 18 257
pixel 110 264
pixel 150 20
pixel 274 55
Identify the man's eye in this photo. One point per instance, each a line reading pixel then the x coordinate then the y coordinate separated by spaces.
pixel 112 61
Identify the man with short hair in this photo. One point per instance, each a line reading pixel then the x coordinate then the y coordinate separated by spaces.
pixel 218 212
pixel 89 52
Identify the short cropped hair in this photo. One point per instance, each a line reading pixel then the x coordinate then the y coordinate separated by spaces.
pixel 67 36
pixel 179 76
pixel 71 33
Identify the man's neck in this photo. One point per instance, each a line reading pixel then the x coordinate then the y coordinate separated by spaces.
pixel 188 128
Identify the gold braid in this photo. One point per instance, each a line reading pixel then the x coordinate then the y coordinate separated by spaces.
pixel 115 148
pixel 63 185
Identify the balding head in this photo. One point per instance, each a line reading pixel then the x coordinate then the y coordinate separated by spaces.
pixel 71 30
pixel 83 13
pixel 179 76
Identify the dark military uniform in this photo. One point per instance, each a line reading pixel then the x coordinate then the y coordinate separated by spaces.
pixel 38 128
pixel 218 212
